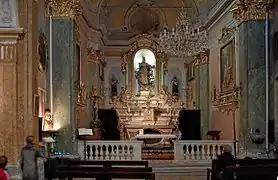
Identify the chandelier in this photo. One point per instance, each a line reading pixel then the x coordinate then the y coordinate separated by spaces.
pixel 186 39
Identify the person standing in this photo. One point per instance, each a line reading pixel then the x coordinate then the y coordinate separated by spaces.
pixel 29 155
pixel 3 173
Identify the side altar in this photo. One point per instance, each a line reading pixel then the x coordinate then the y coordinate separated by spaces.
pixel 145 103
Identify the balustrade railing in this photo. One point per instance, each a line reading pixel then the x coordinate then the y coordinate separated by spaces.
pixel 199 150
pixel 184 151
pixel 111 150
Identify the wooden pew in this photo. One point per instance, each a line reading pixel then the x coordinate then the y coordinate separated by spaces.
pixel 107 163
pixel 103 170
pixel 254 172
pixel 211 173
pixel 104 175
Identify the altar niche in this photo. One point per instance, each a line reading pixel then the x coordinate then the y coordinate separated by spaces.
pixel 144 67
pixel 144 64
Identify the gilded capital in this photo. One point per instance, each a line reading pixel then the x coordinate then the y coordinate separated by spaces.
pixel 201 58
pixel 94 56
pixel 63 8
pixel 251 9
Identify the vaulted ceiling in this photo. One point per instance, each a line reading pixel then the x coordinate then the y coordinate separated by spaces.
pixel 126 18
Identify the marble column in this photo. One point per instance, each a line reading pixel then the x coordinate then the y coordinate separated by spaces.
pixel 251 50
pixel 64 71
pixel 201 63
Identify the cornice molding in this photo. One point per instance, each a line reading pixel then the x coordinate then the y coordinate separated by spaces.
pixel 218 12
pixel 11 33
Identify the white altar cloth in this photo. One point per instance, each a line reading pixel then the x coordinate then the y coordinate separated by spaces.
pixel 156 136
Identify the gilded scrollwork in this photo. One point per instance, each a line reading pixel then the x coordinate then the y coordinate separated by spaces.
pixel 94 56
pixel 64 8
pixel 251 9
pixel 81 91
pixel 227 35
pixel 201 58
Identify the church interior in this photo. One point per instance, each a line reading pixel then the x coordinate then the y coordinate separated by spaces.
pixel 180 77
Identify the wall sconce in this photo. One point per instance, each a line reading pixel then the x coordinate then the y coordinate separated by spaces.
pixel 256 137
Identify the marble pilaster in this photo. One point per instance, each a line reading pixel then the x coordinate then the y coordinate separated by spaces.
pixel 201 63
pixel 252 53
pixel 64 79
pixel 64 71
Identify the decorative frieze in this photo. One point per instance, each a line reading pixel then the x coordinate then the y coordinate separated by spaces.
pixel 201 58
pixel 63 8
pixel 246 10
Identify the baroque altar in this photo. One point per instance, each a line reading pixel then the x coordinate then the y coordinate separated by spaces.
pixel 145 102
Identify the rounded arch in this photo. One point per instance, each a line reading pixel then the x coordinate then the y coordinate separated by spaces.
pixel 144 52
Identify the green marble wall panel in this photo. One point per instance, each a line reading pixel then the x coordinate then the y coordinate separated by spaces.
pixel 64 78
pixel 252 76
pixel 203 96
pixel 197 84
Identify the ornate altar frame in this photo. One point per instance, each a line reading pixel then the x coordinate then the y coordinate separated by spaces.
pixel 143 41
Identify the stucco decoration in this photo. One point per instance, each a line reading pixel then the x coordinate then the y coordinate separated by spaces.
pixel 122 17
pixel 144 20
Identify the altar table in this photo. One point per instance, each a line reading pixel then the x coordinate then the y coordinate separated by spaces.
pixel 156 136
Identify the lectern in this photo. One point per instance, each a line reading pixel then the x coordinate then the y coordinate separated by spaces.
pixel 83 133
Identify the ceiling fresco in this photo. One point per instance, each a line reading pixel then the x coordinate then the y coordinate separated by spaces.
pixel 126 18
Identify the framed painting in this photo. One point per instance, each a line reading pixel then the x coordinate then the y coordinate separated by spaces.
pixel 227 66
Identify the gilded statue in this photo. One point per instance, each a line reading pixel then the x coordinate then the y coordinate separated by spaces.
pixel 144 75
pixel 47 124
pixel 114 86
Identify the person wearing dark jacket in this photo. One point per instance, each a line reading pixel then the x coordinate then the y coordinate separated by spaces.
pixel 28 162
pixel 224 160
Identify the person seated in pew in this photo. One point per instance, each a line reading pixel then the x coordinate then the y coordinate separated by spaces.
pixel 225 159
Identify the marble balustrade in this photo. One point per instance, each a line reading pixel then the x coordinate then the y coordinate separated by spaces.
pixel 204 150
pixel 111 150
pixel 184 151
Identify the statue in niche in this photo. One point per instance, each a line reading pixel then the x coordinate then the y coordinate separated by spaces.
pixel 114 86
pixel 47 124
pixel 5 11
pixel 175 86
pixel 144 75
